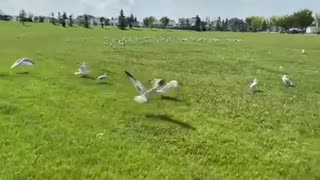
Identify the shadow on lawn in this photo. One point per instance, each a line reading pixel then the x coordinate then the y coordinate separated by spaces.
pixel 168 119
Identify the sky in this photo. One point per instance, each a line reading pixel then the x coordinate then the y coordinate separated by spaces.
pixel 158 8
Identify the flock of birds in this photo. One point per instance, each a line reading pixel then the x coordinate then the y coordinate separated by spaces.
pixel 124 41
pixel 159 86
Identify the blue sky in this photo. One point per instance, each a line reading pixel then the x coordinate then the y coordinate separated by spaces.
pixel 158 8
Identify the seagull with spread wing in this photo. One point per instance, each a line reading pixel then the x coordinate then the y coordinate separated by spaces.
pixel 253 86
pixel 144 93
pixel 23 62
pixel 162 87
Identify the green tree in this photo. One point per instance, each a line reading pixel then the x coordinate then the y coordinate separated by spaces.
pixel 122 21
pixel 303 18
pixel 102 22
pixel 30 17
pixel 218 24
pixel 317 19
pixel 256 23
pixel 70 21
pixel 22 16
pixel 264 26
pixel 164 21
pixel 146 22
pixel 197 23
pixel 86 21
pixel 53 21
pixel 131 20
pixel 188 23
pixel 63 20
pixel 36 19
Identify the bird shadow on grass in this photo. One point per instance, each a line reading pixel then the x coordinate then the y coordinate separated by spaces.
pixel 4 75
pixel 104 83
pixel 88 77
pixel 168 119
pixel 23 73
pixel 168 98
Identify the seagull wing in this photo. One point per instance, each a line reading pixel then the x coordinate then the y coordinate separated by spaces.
pixel 16 63
pixel 27 62
pixel 168 86
pixel 136 83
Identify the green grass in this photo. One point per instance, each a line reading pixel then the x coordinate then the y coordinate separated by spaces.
pixel 50 118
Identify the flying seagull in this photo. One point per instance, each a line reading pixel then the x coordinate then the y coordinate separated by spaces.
pixel 287 81
pixel 253 86
pixel 23 62
pixel 103 77
pixel 144 94
pixel 83 71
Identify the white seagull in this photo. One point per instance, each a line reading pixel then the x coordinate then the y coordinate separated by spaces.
pixel 23 62
pixel 303 51
pixel 83 71
pixel 253 86
pixel 287 81
pixel 144 94
pixel 103 77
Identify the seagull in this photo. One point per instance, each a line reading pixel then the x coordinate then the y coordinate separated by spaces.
pixel 144 94
pixel 103 77
pixel 23 62
pixel 83 71
pixel 287 81
pixel 253 86
pixel 303 51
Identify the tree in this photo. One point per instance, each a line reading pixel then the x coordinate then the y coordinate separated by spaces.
pixel 36 19
pixel 86 21
pixel 122 21
pixel 70 21
pixel 102 22
pixel 219 24
pixel 198 23
pixel 187 23
pixel 303 18
pixel 30 17
pixel 257 23
pixel 107 22
pixel 53 19
pixel 131 20
pixel 41 19
pixel 249 21
pixel 264 25
pixel 226 25
pixel 317 19
pixel 164 22
pixel 203 25
pixel 59 18
pixel 64 18
pixel 22 16
pixel 146 22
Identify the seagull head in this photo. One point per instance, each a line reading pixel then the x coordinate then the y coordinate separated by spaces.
pixel 255 80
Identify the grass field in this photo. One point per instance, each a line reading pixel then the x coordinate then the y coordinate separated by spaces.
pixel 55 125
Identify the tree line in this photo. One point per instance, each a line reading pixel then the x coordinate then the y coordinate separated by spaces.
pixel 300 20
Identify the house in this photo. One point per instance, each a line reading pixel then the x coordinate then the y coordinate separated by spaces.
pixel 114 21
pixel 172 24
pixel 312 30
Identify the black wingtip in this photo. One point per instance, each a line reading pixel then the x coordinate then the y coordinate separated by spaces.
pixel 128 74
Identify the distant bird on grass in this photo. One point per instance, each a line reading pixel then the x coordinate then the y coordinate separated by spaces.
pixel 144 94
pixel 102 78
pixel 303 51
pixel 253 86
pixel 83 71
pixel 287 82
pixel 23 62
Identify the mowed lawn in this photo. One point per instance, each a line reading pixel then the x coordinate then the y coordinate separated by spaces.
pixel 56 125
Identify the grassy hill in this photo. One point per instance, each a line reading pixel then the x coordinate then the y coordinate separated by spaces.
pixel 55 125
